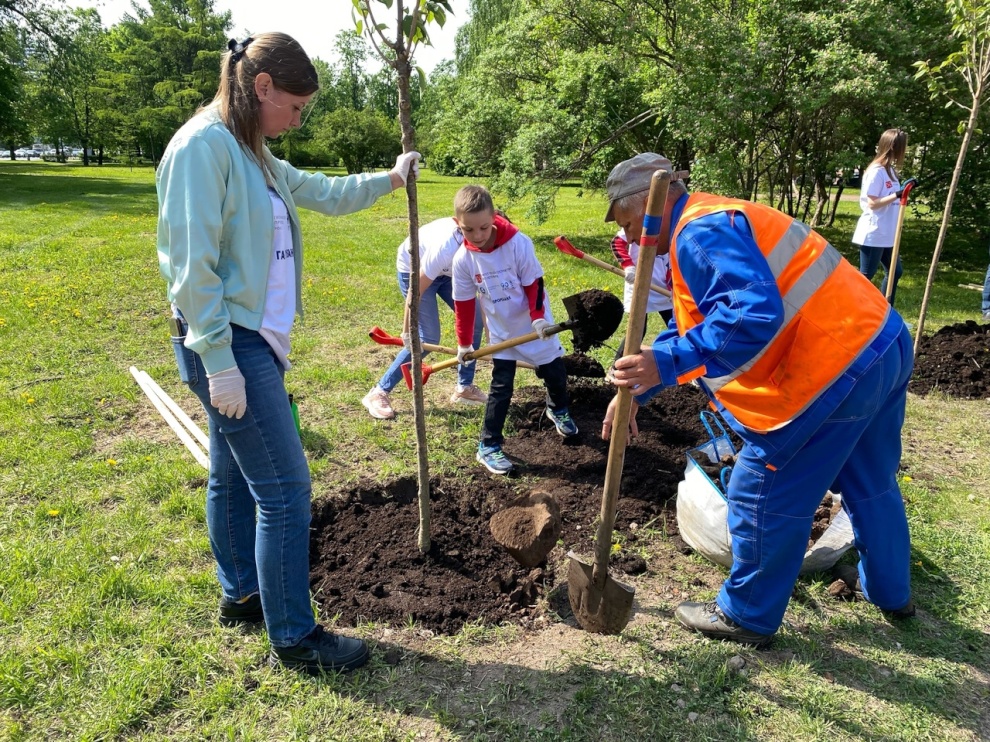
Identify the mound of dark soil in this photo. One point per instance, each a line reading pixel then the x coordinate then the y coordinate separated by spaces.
pixel 955 360
pixel 365 564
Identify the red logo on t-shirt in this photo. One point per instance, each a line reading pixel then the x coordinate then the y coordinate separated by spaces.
pixel 888 184
pixel 477 278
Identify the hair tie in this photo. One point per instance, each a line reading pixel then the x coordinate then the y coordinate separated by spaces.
pixel 237 48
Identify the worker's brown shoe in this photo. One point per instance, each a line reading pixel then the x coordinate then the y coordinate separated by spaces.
pixel 846 585
pixel 708 619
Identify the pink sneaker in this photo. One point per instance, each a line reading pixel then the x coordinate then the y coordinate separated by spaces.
pixel 468 395
pixel 378 404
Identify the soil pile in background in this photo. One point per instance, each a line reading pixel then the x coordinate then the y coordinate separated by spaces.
pixel 955 360
pixel 364 559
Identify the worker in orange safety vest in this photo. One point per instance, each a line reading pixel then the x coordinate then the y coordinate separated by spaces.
pixel 809 365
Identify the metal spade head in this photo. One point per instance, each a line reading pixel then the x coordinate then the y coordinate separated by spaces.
pixel 594 316
pixel 603 609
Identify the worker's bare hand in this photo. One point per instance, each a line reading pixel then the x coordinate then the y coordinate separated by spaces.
pixel 610 416
pixel 638 372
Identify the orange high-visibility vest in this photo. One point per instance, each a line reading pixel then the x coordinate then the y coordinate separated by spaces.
pixel 831 313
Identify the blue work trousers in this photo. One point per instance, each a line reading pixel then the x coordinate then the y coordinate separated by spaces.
pixel 429 330
pixel 258 492
pixel 856 451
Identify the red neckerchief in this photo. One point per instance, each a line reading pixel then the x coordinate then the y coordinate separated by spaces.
pixel 504 231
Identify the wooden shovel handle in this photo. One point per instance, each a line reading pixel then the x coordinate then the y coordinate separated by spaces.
pixel 487 350
pixel 634 339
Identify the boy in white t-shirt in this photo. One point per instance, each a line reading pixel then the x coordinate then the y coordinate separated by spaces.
pixel 497 267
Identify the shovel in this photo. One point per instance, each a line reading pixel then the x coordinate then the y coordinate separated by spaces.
pixel 593 316
pixel 565 246
pixel 600 603
pixel 911 183
pixel 383 338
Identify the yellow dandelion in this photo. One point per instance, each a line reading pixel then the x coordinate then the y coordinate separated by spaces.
pixel 30 400
pixel 908 479
pixel 111 462
pixel 53 513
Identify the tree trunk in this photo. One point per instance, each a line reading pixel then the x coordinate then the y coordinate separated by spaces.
pixel 403 68
pixel 944 228
pixel 835 201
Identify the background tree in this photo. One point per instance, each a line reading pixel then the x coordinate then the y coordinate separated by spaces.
pixel 361 140
pixel 67 97
pixel 167 63
pixel 964 79
pixel 13 109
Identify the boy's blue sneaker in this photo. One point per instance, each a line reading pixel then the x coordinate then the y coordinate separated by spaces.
pixel 564 422
pixel 493 459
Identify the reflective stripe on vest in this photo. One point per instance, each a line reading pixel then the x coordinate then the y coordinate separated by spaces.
pixel 831 312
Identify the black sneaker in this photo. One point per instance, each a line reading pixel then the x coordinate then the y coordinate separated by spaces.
pixel 233 613
pixel 849 574
pixel 321 651
pixel 708 619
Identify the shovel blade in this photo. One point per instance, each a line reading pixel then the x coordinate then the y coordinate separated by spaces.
pixel 594 316
pixel 604 610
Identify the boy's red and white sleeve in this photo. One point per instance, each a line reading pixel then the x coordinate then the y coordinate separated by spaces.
pixel 464 310
pixel 620 249
pixel 536 297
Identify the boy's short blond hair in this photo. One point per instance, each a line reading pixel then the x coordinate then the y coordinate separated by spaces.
pixel 471 199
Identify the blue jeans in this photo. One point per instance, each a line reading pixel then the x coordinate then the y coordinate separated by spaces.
pixel 429 330
pixel 986 292
pixel 258 494
pixel 856 451
pixel 870 259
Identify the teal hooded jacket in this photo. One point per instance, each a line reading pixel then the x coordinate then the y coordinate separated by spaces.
pixel 215 228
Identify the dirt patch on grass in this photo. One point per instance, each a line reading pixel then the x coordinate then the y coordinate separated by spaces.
pixel 955 360
pixel 365 564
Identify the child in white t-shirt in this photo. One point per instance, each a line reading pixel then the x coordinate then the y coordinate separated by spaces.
pixel 497 268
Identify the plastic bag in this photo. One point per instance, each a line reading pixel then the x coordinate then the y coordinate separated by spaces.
pixel 703 511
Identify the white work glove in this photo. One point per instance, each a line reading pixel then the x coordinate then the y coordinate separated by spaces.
pixel 540 328
pixel 405 161
pixel 630 274
pixel 227 392
pixel 463 350
pixel 406 341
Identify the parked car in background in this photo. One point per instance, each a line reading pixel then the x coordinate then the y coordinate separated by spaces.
pixel 26 154
pixel 4 154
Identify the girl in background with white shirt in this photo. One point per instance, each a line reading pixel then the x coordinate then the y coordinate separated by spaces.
pixel 878 198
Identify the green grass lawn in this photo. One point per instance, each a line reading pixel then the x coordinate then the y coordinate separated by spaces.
pixel 107 591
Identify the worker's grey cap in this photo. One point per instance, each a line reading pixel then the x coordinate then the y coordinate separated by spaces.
pixel 633 176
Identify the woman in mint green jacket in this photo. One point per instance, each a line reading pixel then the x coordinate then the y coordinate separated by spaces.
pixel 230 248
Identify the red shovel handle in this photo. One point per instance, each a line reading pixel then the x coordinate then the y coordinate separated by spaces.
pixel 565 246
pixel 911 183
pixel 383 338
